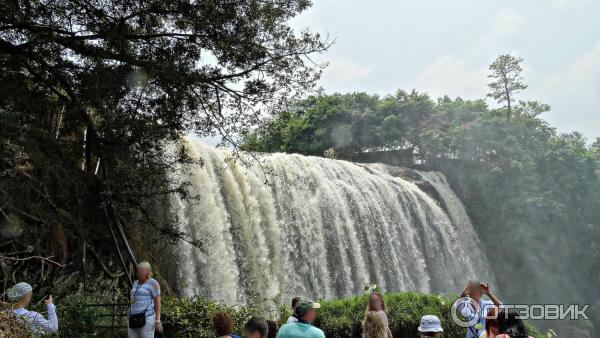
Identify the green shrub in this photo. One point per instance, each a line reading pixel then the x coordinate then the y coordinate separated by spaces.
pixel 338 318
pixel 75 319
pixel 342 318
pixel 78 318
pixel 192 317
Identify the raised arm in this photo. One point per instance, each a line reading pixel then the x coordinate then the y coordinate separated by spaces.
pixel 47 326
pixel 485 288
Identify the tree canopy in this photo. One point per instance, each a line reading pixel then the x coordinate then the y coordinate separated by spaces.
pixel 359 122
pixel 96 96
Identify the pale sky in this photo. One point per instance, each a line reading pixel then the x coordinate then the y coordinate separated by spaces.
pixel 445 46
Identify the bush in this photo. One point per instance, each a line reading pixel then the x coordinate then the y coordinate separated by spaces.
pixel 9 326
pixel 192 317
pixel 338 318
pixel 79 318
pixel 342 318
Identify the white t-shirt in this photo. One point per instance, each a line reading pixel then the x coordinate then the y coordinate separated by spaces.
pixel 291 319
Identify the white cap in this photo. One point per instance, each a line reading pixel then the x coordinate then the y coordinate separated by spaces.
pixel 430 323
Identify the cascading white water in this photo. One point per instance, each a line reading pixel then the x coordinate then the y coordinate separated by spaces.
pixel 300 225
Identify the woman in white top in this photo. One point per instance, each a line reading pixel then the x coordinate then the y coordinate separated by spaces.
pixel 21 295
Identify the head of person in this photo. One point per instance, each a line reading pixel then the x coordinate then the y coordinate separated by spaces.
pixel 272 329
pixel 306 310
pixel 222 324
pixel 20 293
pixel 430 326
pixel 256 328
pixel 509 323
pixel 491 322
pixel 373 326
pixel 376 302
pixel 474 289
pixel 143 271
pixel 294 302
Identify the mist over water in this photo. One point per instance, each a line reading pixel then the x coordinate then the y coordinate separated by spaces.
pixel 320 228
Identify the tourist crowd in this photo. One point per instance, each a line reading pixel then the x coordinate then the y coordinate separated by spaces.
pixel 487 318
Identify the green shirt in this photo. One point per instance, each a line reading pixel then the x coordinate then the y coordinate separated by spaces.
pixel 299 330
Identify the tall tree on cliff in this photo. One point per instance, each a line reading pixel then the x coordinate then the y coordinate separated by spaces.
pixel 110 87
pixel 507 80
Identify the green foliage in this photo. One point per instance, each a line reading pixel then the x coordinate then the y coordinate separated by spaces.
pixel 359 122
pixel 338 318
pixel 78 319
pixel 507 81
pixel 342 318
pixel 192 317
pixel 181 317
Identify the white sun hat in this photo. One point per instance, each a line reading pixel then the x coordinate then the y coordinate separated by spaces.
pixel 430 323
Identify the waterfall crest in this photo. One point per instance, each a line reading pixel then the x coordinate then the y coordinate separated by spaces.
pixel 300 225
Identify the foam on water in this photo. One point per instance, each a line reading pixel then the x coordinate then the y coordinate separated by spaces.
pixel 317 227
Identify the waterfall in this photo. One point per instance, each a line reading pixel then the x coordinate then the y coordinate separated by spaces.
pixel 300 225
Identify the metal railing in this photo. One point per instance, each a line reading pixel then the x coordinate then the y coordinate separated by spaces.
pixel 117 313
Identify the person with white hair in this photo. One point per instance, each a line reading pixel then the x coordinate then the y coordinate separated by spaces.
pixel 144 312
pixel 21 295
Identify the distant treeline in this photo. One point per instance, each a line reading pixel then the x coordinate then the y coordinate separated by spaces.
pixel 533 194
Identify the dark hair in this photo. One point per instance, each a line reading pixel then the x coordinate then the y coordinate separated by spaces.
pixel 272 329
pixel 491 319
pixel 509 323
pixel 222 324
pixel 257 324
pixel 370 308
pixel 431 334
pixel 295 301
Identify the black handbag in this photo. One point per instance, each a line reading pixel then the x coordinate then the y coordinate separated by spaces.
pixel 137 320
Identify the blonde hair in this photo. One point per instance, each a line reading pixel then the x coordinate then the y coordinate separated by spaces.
pixel 147 266
pixel 373 326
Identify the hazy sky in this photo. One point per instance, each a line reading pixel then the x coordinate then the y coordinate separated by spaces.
pixel 444 47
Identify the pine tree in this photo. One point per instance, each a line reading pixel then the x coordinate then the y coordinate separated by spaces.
pixel 507 81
